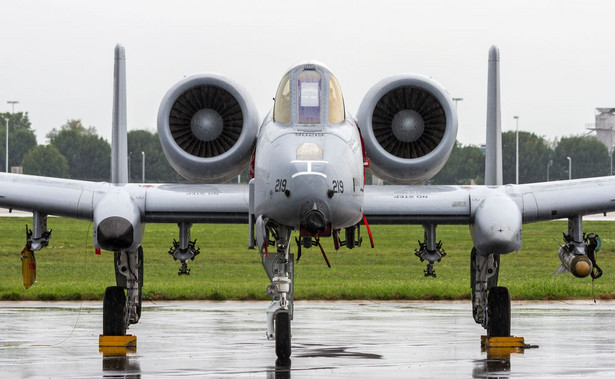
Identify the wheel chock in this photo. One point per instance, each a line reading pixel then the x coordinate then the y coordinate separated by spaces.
pixel 511 341
pixel 128 341
pixel 116 351
pixel 117 346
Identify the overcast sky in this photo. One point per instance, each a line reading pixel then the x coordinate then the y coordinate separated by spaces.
pixel 557 57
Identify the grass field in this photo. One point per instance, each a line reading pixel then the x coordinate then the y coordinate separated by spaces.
pixel 69 270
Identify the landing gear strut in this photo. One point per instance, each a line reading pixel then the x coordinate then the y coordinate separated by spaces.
pixel 279 267
pixel 490 303
pixel 122 303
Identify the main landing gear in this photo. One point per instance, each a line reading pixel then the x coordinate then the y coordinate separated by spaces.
pixel 279 266
pixel 490 303
pixel 122 302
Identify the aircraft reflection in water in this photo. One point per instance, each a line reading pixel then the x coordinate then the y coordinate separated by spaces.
pixel 307 161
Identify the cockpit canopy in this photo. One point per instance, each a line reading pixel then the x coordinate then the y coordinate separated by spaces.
pixel 302 97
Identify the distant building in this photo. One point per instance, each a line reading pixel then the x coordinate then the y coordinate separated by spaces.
pixel 605 129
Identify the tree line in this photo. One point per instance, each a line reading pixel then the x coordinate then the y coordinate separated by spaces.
pixel 78 152
pixel 539 160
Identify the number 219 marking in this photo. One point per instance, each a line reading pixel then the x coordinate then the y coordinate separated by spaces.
pixel 280 185
pixel 338 186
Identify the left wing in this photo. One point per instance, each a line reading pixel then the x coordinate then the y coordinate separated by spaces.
pixel 495 214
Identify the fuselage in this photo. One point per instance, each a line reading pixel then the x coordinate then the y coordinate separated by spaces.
pixel 308 165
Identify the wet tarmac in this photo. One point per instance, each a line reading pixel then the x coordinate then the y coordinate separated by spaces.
pixel 330 339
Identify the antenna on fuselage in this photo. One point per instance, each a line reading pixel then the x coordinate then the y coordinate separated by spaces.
pixel 493 154
pixel 119 143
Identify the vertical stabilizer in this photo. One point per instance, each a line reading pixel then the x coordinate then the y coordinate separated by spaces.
pixel 493 156
pixel 119 145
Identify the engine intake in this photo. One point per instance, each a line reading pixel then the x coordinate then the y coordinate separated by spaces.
pixel 409 127
pixel 207 127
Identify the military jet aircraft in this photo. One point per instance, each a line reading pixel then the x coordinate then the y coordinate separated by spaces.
pixel 307 160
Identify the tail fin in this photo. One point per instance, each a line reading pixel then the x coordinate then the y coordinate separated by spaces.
pixel 493 156
pixel 119 144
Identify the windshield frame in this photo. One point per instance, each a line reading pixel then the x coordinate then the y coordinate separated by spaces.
pixel 287 101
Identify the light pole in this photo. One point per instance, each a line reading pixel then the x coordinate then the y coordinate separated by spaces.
pixel 569 168
pixel 548 166
pixel 143 167
pixel 129 157
pixel 12 102
pixel 7 145
pixel 517 154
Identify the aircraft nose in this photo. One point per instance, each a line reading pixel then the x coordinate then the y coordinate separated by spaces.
pixel 315 222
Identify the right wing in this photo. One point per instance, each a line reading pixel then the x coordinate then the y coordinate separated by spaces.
pixel 157 202
pixel 119 211
pixel 399 204
pixel 50 196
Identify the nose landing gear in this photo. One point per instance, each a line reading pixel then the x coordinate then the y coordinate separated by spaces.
pixel 280 270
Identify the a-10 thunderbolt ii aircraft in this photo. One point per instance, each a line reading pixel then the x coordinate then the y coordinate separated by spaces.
pixel 307 160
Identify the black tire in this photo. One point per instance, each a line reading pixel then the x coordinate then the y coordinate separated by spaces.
pixel 498 303
pixel 114 306
pixel 282 335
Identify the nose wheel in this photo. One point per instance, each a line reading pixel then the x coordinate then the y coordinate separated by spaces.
pixel 282 335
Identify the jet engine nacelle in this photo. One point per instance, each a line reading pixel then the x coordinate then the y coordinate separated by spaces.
pixel 409 125
pixel 207 127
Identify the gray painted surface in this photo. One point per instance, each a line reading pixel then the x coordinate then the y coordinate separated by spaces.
pixel 119 137
pixel 493 158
